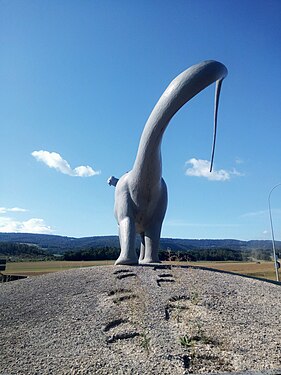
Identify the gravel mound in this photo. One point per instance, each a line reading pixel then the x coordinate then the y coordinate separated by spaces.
pixel 139 320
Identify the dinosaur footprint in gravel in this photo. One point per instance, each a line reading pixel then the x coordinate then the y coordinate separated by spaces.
pixel 119 295
pixel 175 305
pixel 165 278
pixel 119 329
pixel 122 328
pixel 123 274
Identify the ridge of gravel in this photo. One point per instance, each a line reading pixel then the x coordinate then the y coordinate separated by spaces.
pixel 139 320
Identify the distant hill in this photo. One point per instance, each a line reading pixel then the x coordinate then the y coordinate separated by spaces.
pixel 59 244
pixel 18 251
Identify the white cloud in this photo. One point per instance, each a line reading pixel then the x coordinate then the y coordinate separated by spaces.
pixel 4 210
pixel 33 225
pixel 239 161
pixel 18 209
pixel 274 211
pixel 54 160
pixel 84 171
pixel 201 168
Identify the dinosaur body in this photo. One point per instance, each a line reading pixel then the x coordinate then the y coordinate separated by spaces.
pixel 141 194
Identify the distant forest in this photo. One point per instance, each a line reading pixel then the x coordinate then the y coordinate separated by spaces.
pixel 60 244
pixel 16 252
pixel 24 246
pixel 219 254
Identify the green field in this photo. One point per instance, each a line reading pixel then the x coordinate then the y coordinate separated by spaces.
pixel 263 269
pixel 39 268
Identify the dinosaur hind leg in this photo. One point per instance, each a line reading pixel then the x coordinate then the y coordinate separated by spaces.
pixel 127 237
pixel 151 240
pixel 142 248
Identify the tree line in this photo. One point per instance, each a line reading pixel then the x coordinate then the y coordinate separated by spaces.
pixel 19 251
pixel 194 255
pixel 103 253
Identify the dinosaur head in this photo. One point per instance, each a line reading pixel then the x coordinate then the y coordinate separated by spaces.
pixel 112 181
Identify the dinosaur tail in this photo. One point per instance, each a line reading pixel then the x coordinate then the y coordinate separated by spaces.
pixel 184 87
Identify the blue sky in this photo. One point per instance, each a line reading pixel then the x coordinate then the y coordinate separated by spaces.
pixel 78 82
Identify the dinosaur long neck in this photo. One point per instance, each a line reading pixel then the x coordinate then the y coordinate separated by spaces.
pixel 148 165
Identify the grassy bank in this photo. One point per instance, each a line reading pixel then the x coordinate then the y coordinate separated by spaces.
pixel 263 269
pixel 39 268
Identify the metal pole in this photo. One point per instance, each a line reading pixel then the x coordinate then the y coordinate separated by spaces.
pixel 272 233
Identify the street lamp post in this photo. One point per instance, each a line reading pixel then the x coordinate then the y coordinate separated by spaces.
pixel 272 233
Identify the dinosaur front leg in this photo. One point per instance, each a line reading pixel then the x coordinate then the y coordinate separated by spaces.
pixel 127 237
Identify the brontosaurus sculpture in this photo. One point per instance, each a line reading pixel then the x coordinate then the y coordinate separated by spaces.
pixel 141 194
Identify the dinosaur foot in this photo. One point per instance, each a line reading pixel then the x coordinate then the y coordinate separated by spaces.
pixel 149 261
pixel 125 260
